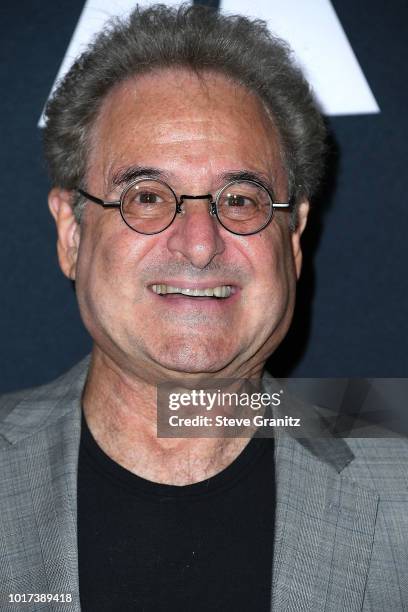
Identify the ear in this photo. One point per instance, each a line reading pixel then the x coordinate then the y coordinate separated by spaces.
pixel 302 213
pixel 59 203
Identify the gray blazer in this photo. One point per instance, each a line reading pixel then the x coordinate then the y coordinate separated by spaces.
pixel 341 528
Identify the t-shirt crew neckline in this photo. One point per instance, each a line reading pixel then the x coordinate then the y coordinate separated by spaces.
pixel 135 484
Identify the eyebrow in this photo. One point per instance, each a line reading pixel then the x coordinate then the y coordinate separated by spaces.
pixel 246 175
pixel 123 176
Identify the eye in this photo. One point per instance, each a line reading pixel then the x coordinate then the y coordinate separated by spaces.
pixel 238 200
pixel 147 197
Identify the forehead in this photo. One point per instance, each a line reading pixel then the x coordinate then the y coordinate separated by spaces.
pixel 183 122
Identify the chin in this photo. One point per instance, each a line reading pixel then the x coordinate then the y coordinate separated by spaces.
pixel 193 359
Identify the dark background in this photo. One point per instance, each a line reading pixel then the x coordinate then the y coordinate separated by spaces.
pixel 351 318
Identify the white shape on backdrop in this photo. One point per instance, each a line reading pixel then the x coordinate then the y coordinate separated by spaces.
pixel 312 29
pixel 95 14
pixel 321 47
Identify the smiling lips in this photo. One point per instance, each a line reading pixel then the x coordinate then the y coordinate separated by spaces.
pixel 222 291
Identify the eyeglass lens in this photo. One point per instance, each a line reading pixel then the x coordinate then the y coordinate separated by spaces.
pixel 149 206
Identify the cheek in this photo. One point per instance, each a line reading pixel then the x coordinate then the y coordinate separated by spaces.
pixel 107 268
pixel 273 278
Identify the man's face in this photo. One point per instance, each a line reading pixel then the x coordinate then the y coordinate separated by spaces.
pixel 194 132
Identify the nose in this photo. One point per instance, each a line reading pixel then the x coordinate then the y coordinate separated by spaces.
pixel 195 233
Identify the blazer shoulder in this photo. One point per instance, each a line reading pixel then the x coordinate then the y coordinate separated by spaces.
pixel 8 401
pixel 374 450
pixel 380 463
pixel 29 409
pixel 30 396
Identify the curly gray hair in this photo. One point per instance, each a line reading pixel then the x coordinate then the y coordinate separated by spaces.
pixel 197 38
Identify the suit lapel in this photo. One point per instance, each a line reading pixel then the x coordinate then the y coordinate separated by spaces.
pixel 324 529
pixel 38 543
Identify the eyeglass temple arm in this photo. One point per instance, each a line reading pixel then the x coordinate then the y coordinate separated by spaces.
pixel 104 203
pixel 288 204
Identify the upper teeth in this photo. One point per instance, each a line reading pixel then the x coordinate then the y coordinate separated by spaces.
pixel 222 291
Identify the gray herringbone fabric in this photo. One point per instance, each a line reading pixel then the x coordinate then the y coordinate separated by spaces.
pixel 341 525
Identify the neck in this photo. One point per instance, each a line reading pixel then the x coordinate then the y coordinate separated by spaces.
pixel 121 413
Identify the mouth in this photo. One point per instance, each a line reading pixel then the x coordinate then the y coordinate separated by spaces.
pixel 218 292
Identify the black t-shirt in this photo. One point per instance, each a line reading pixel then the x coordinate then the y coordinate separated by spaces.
pixel 150 547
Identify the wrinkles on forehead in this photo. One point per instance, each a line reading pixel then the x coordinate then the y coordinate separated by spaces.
pixel 190 122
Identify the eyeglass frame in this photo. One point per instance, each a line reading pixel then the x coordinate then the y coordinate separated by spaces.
pixel 213 209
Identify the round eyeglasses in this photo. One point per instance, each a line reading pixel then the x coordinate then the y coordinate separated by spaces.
pixel 149 205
